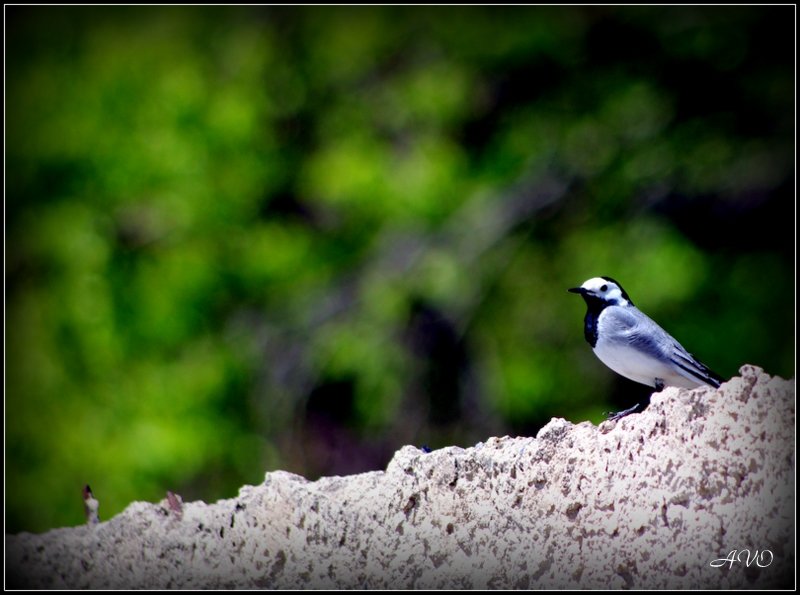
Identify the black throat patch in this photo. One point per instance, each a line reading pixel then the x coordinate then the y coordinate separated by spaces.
pixel 594 307
pixel 590 326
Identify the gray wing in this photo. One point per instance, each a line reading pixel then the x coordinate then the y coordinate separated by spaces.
pixel 641 331
pixel 689 365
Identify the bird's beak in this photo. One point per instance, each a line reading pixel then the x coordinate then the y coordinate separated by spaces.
pixel 579 290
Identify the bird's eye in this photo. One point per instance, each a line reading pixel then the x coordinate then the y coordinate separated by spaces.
pixel 604 287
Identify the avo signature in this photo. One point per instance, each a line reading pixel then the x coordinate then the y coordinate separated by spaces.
pixel 761 558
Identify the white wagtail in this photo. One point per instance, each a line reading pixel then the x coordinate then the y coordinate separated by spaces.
pixel 633 345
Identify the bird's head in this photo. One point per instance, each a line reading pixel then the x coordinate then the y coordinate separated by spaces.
pixel 603 290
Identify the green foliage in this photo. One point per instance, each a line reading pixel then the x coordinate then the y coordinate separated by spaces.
pixel 215 212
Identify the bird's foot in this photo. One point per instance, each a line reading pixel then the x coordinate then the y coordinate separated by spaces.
pixel 625 412
pixel 638 408
pixel 659 385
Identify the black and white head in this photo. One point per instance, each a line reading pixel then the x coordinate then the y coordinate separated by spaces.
pixel 603 291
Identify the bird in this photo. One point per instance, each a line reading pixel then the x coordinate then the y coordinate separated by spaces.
pixel 633 345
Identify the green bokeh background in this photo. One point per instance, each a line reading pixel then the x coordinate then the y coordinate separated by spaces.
pixel 244 239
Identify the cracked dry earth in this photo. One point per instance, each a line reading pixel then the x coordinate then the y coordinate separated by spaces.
pixel 647 502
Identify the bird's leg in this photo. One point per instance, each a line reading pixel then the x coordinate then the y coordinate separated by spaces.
pixel 659 385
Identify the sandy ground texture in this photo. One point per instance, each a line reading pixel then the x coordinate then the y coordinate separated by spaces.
pixel 650 501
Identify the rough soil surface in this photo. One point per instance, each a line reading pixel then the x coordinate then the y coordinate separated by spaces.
pixel 646 502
